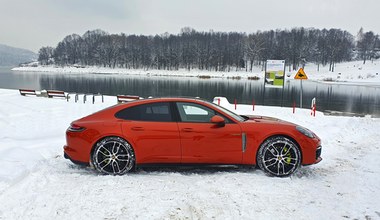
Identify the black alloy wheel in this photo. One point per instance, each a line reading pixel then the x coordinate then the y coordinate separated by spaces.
pixel 279 156
pixel 113 155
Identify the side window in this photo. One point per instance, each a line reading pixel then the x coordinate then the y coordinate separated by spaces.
pixel 148 112
pixel 190 112
pixel 132 113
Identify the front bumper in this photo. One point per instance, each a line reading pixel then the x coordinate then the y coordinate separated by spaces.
pixel 318 153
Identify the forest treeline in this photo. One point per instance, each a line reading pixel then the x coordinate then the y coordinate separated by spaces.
pixel 214 51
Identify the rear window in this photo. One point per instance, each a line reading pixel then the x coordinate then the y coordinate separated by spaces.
pixel 147 112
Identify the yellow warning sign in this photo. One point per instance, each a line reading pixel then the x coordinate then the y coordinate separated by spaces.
pixel 300 74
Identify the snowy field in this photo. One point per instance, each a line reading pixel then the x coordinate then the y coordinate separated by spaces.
pixel 354 71
pixel 36 182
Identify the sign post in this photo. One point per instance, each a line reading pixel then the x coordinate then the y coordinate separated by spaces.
pixel 313 106
pixel 302 76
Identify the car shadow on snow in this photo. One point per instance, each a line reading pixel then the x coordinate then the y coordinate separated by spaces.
pixel 302 172
pixel 310 172
pixel 162 169
pixel 196 169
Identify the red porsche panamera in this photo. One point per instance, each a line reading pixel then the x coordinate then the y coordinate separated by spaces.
pixel 187 131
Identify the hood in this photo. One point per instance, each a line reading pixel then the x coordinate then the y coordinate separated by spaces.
pixel 266 119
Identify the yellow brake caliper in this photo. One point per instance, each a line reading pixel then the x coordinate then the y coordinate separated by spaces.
pixel 288 155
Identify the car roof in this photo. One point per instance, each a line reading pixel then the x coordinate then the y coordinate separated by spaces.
pixel 169 99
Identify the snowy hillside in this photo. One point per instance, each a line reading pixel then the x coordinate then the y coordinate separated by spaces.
pixel 11 56
pixel 36 182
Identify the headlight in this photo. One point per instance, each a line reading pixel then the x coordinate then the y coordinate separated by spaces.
pixel 305 131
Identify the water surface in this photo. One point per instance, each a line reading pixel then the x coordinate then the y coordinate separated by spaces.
pixel 358 99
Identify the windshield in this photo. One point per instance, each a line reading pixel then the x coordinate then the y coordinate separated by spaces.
pixel 228 112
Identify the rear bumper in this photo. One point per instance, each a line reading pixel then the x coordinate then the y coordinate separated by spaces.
pixel 66 153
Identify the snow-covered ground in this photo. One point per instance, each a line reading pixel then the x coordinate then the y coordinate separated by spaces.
pixel 36 182
pixel 354 71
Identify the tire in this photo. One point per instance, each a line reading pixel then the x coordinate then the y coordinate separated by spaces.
pixel 279 156
pixel 113 155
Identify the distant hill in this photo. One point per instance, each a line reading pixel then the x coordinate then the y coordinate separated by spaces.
pixel 11 56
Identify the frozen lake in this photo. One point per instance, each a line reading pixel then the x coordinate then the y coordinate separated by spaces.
pixel 359 99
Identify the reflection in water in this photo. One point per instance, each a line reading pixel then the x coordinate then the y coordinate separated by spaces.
pixel 336 97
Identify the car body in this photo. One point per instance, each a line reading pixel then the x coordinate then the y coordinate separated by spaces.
pixel 187 131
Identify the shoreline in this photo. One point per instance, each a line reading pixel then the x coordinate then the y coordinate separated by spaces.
pixel 202 74
pixel 353 72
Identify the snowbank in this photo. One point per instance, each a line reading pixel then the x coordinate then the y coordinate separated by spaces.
pixel 354 71
pixel 37 182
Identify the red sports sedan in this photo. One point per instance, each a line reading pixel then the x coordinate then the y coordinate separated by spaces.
pixel 187 131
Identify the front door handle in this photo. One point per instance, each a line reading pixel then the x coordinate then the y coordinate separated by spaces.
pixel 187 129
pixel 137 128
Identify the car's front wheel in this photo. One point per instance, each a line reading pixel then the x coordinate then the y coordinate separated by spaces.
pixel 279 156
pixel 113 155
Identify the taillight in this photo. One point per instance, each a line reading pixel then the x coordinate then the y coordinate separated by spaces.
pixel 75 128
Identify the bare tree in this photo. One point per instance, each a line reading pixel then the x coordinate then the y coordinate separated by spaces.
pixel 45 55
pixel 366 45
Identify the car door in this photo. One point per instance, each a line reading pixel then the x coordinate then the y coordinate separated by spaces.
pixel 206 142
pixel 153 132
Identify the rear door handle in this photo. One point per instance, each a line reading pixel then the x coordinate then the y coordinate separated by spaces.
pixel 137 128
pixel 187 129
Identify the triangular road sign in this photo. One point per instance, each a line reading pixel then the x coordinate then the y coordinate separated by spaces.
pixel 300 74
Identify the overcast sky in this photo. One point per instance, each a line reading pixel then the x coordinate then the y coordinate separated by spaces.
pixel 31 24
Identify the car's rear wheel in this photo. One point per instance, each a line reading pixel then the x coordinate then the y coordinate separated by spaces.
pixel 279 156
pixel 113 155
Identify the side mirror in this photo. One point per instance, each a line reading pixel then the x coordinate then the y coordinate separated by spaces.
pixel 218 120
